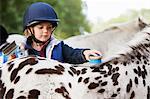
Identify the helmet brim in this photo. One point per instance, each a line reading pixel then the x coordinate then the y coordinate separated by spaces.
pixel 37 21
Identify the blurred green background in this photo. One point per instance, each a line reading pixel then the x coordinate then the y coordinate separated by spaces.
pixel 69 12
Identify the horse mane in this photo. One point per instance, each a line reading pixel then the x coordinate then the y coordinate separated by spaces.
pixel 138 47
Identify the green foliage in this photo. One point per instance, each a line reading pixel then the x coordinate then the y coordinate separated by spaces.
pixel 69 13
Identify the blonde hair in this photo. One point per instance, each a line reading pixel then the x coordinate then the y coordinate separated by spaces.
pixel 27 33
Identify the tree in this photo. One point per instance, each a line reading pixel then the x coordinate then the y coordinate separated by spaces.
pixel 69 12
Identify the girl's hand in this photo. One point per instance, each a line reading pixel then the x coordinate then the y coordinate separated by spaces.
pixel 92 54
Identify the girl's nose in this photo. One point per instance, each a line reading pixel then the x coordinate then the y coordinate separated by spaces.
pixel 45 31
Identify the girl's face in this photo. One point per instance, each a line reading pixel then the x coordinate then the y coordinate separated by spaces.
pixel 43 31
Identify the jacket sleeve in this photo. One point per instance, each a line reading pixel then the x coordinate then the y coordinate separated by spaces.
pixel 73 56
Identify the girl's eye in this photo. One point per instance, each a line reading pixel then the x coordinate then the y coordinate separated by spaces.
pixel 40 27
pixel 49 27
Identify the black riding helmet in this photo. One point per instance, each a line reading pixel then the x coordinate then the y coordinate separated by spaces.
pixel 39 12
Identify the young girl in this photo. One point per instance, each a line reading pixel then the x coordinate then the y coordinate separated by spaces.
pixel 40 20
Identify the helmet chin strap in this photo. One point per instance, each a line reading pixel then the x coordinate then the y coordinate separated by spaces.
pixel 36 40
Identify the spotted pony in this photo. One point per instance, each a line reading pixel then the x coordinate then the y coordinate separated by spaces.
pixel 124 76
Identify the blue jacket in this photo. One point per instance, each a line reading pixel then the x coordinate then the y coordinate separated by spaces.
pixel 59 51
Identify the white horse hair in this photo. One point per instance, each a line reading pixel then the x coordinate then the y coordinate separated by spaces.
pixel 110 40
